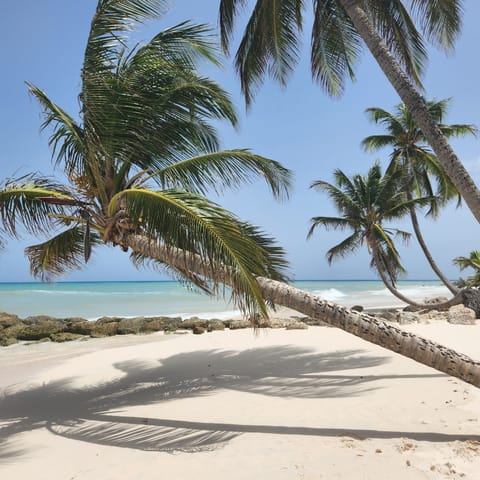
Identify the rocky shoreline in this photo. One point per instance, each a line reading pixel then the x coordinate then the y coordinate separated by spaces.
pixel 38 328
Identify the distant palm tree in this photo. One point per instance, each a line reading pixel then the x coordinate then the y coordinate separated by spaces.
pixel 272 37
pixel 365 204
pixel 472 261
pixel 140 160
pixel 411 152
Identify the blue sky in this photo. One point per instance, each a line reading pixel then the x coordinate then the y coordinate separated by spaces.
pixel 43 43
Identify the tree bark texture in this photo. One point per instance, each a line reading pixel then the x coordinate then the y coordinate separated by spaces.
pixel 426 251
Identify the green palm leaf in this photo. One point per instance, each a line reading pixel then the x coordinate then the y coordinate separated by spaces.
pixel 145 119
pixel 67 141
pixel 365 203
pixel 269 44
pixel 336 47
pixel 440 20
pixel 21 202
pixel 191 223
pixel 60 254
pixel 225 169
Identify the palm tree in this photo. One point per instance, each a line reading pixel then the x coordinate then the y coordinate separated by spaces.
pixel 140 160
pixel 270 45
pixel 472 261
pixel 365 204
pixel 134 183
pixel 412 153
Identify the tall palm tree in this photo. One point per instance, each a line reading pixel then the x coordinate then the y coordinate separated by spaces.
pixel 365 204
pixel 411 152
pixel 139 161
pixel 134 183
pixel 271 43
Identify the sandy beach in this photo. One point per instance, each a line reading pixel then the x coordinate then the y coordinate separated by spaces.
pixel 298 404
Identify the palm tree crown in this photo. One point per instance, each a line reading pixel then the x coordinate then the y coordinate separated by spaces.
pixel 411 153
pixel 365 204
pixel 140 160
pixel 410 149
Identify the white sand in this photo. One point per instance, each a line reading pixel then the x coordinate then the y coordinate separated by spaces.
pixel 310 404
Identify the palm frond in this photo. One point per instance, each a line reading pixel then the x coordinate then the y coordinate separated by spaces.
pixel 192 224
pixel 329 223
pixel 182 45
pixel 270 44
pixel 335 46
pixel 228 11
pixel 376 142
pixel 226 169
pixel 346 247
pixel 112 19
pixel 441 20
pixel 397 29
pixel 60 254
pixel 472 261
pixel 21 202
pixel 67 140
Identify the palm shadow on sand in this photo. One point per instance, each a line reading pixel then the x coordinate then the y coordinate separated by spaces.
pixel 94 413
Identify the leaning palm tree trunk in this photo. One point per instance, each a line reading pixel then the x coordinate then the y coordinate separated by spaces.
pixel 362 325
pixel 456 300
pixel 428 255
pixel 415 103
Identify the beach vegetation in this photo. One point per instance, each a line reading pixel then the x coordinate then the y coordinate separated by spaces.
pixel 473 262
pixel 423 173
pixel 140 158
pixel 396 34
pixel 366 203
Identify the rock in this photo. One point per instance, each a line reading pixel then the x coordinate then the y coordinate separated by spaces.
pixel 296 326
pixel 278 322
pixel 357 308
pixel 103 320
pixel 72 321
pixel 429 301
pixel 460 315
pixel 5 340
pixel 412 308
pixel 237 324
pixel 39 319
pixel 312 321
pixel 191 323
pixel 40 327
pixel 131 326
pixel 154 324
pixel 95 329
pixel 389 315
pixel 172 323
pixel 471 299
pixel 198 329
pixel 215 324
pixel 8 320
pixel 405 318
pixel 82 328
pixel 104 329
pixel 64 337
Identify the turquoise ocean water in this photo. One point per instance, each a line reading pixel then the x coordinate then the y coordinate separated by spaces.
pixel 95 299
